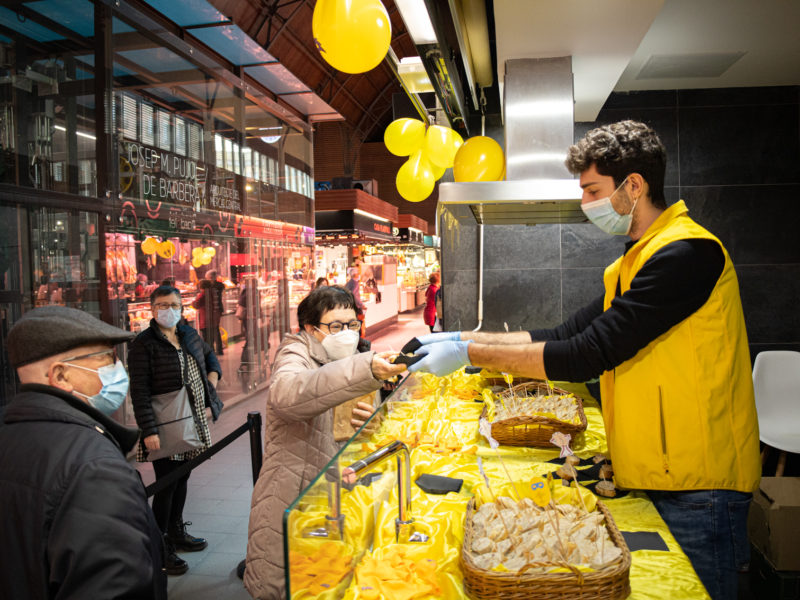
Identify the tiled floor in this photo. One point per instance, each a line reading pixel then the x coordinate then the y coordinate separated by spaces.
pixel 218 502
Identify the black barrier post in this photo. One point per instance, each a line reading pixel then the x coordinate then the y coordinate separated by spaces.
pixel 256 453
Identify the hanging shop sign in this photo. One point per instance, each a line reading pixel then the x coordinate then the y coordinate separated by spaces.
pixel 350 224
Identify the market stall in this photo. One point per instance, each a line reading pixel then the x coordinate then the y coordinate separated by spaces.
pixel 374 525
pixel 352 228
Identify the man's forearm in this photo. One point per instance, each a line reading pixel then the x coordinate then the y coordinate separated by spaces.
pixel 520 359
pixel 497 338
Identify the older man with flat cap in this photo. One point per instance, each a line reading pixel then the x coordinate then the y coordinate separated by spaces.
pixel 74 521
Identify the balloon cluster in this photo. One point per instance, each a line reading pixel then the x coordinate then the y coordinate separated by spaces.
pixel 433 150
pixel 202 256
pixel 165 249
pixel 352 36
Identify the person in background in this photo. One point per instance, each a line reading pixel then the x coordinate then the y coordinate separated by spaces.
pixel 163 358
pixel 439 301
pixel 203 304
pixel 320 282
pixel 429 313
pixel 217 288
pixel 139 291
pixel 74 521
pixel 251 318
pixel 314 371
pixel 354 288
pixel 667 339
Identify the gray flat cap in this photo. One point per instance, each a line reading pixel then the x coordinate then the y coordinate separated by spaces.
pixel 50 330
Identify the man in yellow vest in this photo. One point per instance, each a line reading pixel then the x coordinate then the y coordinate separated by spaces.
pixel 668 342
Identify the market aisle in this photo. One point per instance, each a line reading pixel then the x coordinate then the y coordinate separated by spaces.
pixel 409 324
pixel 218 501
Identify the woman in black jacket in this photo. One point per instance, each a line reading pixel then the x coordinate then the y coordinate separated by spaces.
pixel 161 359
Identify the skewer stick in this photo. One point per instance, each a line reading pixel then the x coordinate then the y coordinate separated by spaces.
pixel 580 496
pixel 494 498
pixel 485 429
pixel 555 526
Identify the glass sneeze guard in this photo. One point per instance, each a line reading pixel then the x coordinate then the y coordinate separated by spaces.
pixel 335 519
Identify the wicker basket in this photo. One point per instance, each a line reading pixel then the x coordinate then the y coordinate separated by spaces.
pixel 534 430
pixel 609 583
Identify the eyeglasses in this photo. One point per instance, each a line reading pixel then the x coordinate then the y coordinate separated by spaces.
pixel 164 306
pixel 337 326
pixel 111 352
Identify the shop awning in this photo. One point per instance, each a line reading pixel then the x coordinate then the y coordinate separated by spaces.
pixel 352 227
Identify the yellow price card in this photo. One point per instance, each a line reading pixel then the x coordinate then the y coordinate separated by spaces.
pixel 540 491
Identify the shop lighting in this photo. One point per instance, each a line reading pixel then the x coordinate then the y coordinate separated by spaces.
pixel 414 75
pixel 370 215
pixel 418 21
pixel 79 133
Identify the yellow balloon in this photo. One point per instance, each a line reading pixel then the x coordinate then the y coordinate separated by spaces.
pixel 404 136
pixel 353 36
pixel 149 245
pixel 210 252
pixel 166 249
pixel 479 159
pixel 196 262
pixel 437 171
pixel 415 179
pixel 197 252
pixel 441 145
pixel 206 259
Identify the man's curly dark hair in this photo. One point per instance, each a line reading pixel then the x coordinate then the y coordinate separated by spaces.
pixel 619 149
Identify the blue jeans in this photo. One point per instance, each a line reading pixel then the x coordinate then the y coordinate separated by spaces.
pixel 711 527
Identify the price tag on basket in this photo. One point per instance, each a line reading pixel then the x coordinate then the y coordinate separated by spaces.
pixel 540 491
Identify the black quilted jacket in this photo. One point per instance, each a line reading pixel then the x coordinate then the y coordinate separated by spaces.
pixel 155 369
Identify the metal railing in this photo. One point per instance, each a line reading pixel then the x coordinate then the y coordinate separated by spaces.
pixel 252 425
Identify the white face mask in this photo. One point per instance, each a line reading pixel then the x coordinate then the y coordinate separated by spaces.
pixel 602 213
pixel 340 345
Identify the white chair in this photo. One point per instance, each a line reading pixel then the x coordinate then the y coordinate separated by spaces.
pixel 776 379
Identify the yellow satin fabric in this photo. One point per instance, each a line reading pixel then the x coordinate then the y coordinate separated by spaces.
pixel 440 418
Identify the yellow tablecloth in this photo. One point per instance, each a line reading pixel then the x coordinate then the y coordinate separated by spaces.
pixel 439 419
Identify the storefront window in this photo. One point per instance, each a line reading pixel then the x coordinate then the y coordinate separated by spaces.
pixel 189 180
pixel 46 111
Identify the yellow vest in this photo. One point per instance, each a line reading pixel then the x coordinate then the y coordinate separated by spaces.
pixel 680 414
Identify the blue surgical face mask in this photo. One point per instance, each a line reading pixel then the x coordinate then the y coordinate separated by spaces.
pixel 115 387
pixel 168 317
pixel 601 213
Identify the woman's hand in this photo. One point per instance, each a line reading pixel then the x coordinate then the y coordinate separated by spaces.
pixel 152 442
pixel 213 378
pixel 361 412
pixel 382 368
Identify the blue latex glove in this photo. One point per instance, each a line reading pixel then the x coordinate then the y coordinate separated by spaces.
pixel 414 344
pixel 442 358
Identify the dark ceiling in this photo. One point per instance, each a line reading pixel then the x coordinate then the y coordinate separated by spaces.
pixel 283 28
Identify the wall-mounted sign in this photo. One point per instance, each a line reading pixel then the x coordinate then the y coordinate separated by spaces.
pixel 155 175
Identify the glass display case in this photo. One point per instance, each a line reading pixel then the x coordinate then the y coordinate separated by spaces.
pixel 338 516
pixel 374 523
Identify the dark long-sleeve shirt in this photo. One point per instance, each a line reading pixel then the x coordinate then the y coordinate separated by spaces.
pixel 674 283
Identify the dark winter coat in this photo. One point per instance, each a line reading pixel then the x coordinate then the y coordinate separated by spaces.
pixel 155 369
pixel 74 521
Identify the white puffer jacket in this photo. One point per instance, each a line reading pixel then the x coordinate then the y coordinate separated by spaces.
pixel 298 442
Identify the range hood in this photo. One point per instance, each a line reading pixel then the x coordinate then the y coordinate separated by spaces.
pixel 538 112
